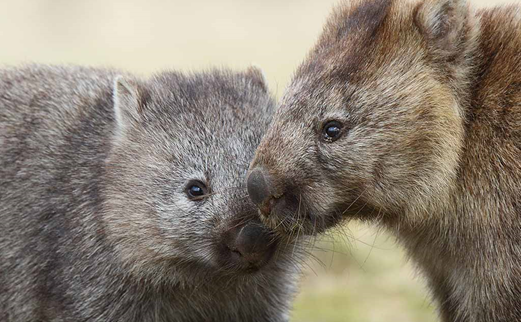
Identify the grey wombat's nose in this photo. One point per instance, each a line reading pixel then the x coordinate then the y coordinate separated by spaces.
pixel 258 185
pixel 254 243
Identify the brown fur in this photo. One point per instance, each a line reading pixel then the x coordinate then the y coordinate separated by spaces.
pixel 429 96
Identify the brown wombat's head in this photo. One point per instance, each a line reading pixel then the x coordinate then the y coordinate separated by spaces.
pixel 371 123
pixel 176 201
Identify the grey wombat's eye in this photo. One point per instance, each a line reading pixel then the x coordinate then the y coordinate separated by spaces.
pixel 332 131
pixel 196 190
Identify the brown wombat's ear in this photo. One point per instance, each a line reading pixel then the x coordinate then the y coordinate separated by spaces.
pixel 256 75
pixel 442 23
pixel 127 102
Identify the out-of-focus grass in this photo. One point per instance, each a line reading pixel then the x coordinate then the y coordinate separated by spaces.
pixel 364 278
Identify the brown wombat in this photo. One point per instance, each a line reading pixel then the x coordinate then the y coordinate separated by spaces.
pixel 409 114
pixel 123 199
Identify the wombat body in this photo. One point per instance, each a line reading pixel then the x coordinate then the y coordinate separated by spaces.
pixel 408 114
pixel 122 199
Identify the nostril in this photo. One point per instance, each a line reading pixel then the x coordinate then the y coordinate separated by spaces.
pixel 236 252
pixel 233 250
pixel 258 186
pixel 253 245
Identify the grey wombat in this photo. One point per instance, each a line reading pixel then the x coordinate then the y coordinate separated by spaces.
pixel 122 199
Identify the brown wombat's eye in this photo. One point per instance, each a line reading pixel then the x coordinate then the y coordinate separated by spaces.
pixel 332 131
pixel 196 190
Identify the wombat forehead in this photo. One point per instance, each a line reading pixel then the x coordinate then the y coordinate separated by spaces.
pixel 223 88
pixel 212 150
pixel 310 100
pixel 343 65
pixel 360 39
pixel 359 17
pixel 201 123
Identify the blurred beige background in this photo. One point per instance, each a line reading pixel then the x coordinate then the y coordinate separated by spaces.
pixel 363 276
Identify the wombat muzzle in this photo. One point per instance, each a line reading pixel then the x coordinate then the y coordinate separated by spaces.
pixel 251 245
pixel 259 188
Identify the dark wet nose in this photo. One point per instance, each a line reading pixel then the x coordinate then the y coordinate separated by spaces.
pixel 259 188
pixel 252 243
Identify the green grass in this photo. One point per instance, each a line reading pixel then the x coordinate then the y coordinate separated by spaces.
pixel 357 281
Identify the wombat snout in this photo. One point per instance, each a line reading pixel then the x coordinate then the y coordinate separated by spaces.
pixel 259 188
pixel 251 245
pixel 277 199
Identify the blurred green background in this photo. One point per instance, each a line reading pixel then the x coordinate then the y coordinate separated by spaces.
pixel 359 273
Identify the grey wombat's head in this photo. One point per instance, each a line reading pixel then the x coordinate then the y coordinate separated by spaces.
pixel 176 198
pixel 370 126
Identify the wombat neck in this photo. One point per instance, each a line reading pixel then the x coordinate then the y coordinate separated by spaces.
pixel 471 258
pixel 482 209
pixel 470 247
pixel 119 296
pixel 469 243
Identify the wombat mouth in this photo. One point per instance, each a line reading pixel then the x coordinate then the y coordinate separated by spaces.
pixel 289 226
pixel 291 223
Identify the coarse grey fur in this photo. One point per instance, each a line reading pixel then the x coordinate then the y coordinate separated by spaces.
pixel 427 94
pixel 95 223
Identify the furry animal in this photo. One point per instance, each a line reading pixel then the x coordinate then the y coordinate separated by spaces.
pixel 408 114
pixel 123 199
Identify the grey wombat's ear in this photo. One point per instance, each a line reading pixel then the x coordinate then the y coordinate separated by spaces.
pixel 127 103
pixel 257 76
pixel 442 23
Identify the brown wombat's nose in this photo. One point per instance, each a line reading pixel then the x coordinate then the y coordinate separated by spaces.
pixel 259 188
pixel 253 243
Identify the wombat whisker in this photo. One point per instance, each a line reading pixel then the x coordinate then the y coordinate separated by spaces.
pixel 241 222
pixel 370 250
pixel 344 233
pixel 349 207
pixel 317 260
pixel 308 265
pixel 310 241
pixel 353 238
pixel 298 217
pixel 361 208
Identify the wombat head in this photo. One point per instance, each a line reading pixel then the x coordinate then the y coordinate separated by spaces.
pixel 371 124
pixel 176 200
